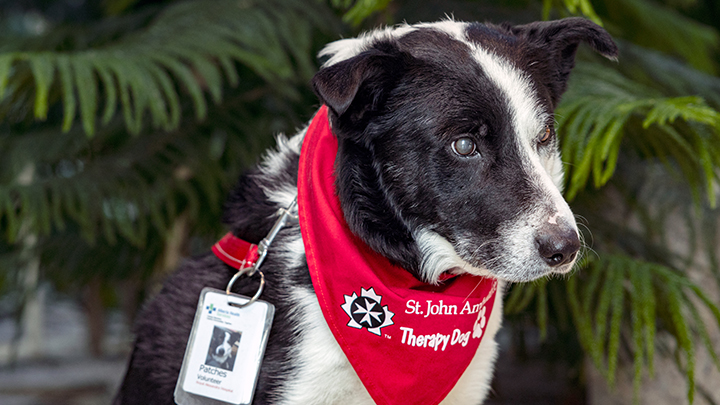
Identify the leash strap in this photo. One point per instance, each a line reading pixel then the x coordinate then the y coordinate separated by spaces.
pixel 236 252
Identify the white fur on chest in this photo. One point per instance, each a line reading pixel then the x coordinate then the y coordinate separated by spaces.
pixel 324 376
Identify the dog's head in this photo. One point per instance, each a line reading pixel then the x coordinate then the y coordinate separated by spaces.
pixel 448 159
pixel 222 344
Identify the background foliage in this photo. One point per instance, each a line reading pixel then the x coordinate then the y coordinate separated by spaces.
pixel 124 123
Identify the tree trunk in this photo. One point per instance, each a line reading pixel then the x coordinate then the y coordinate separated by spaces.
pixel 95 313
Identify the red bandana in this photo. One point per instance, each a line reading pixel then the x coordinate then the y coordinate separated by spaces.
pixel 406 340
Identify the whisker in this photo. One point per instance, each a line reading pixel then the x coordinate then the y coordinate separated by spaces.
pixel 482 245
pixel 473 290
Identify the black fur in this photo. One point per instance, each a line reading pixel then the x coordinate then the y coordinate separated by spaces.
pixel 396 108
pixel 163 328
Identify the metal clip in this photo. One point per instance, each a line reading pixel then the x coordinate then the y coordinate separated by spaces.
pixel 263 247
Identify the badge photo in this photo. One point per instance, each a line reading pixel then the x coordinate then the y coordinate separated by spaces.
pixel 224 351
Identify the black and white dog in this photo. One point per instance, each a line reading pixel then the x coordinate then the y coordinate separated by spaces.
pixel 447 161
pixel 223 348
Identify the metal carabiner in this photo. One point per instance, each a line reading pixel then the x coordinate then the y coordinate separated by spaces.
pixel 262 251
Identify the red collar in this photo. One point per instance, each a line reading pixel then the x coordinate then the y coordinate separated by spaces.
pixel 235 252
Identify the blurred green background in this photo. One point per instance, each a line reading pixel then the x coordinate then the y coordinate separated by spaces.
pixel 124 123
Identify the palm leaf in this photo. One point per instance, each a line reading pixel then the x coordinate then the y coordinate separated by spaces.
pixel 359 10
pixel 660 27
pixel 194 44
pixel 602 106
pixel 638 284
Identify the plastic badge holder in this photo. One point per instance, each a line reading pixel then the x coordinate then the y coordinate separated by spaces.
pixel 225 350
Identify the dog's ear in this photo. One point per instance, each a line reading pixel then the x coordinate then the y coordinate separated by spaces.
pixel 354 87
pixel 560 39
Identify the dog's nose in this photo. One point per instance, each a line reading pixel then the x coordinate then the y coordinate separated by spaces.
pixel 220 351
pixel 557 245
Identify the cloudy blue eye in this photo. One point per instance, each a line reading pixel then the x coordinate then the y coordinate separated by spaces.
pixel 464 146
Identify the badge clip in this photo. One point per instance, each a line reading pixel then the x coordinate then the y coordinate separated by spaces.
pixel 228 338
pixel 261 250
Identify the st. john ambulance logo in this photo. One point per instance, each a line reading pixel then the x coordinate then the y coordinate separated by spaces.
pixel 365 311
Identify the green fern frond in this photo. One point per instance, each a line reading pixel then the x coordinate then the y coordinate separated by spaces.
pixel 602 311
pixel 689 108
pixel 520 297
pixel 542 307
pixel 668 75
pixel 702 331
pixel 43 69
pixel 660 27
pixel 646 303
pixel 102 186
pixel 616 318
pixel 637 319
pixel 112 195
pixel 602 106
pixel 628 296
pixel 193 44
pixel 671 286
pixel 359 10
pixel 584 325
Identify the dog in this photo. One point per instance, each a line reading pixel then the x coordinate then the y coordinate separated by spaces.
pixel 447 165
pixel 223 348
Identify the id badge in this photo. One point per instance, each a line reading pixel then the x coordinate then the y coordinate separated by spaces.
pixel 225 350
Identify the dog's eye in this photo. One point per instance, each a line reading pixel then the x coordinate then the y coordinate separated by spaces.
pixel 545 136
pixel 464 146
